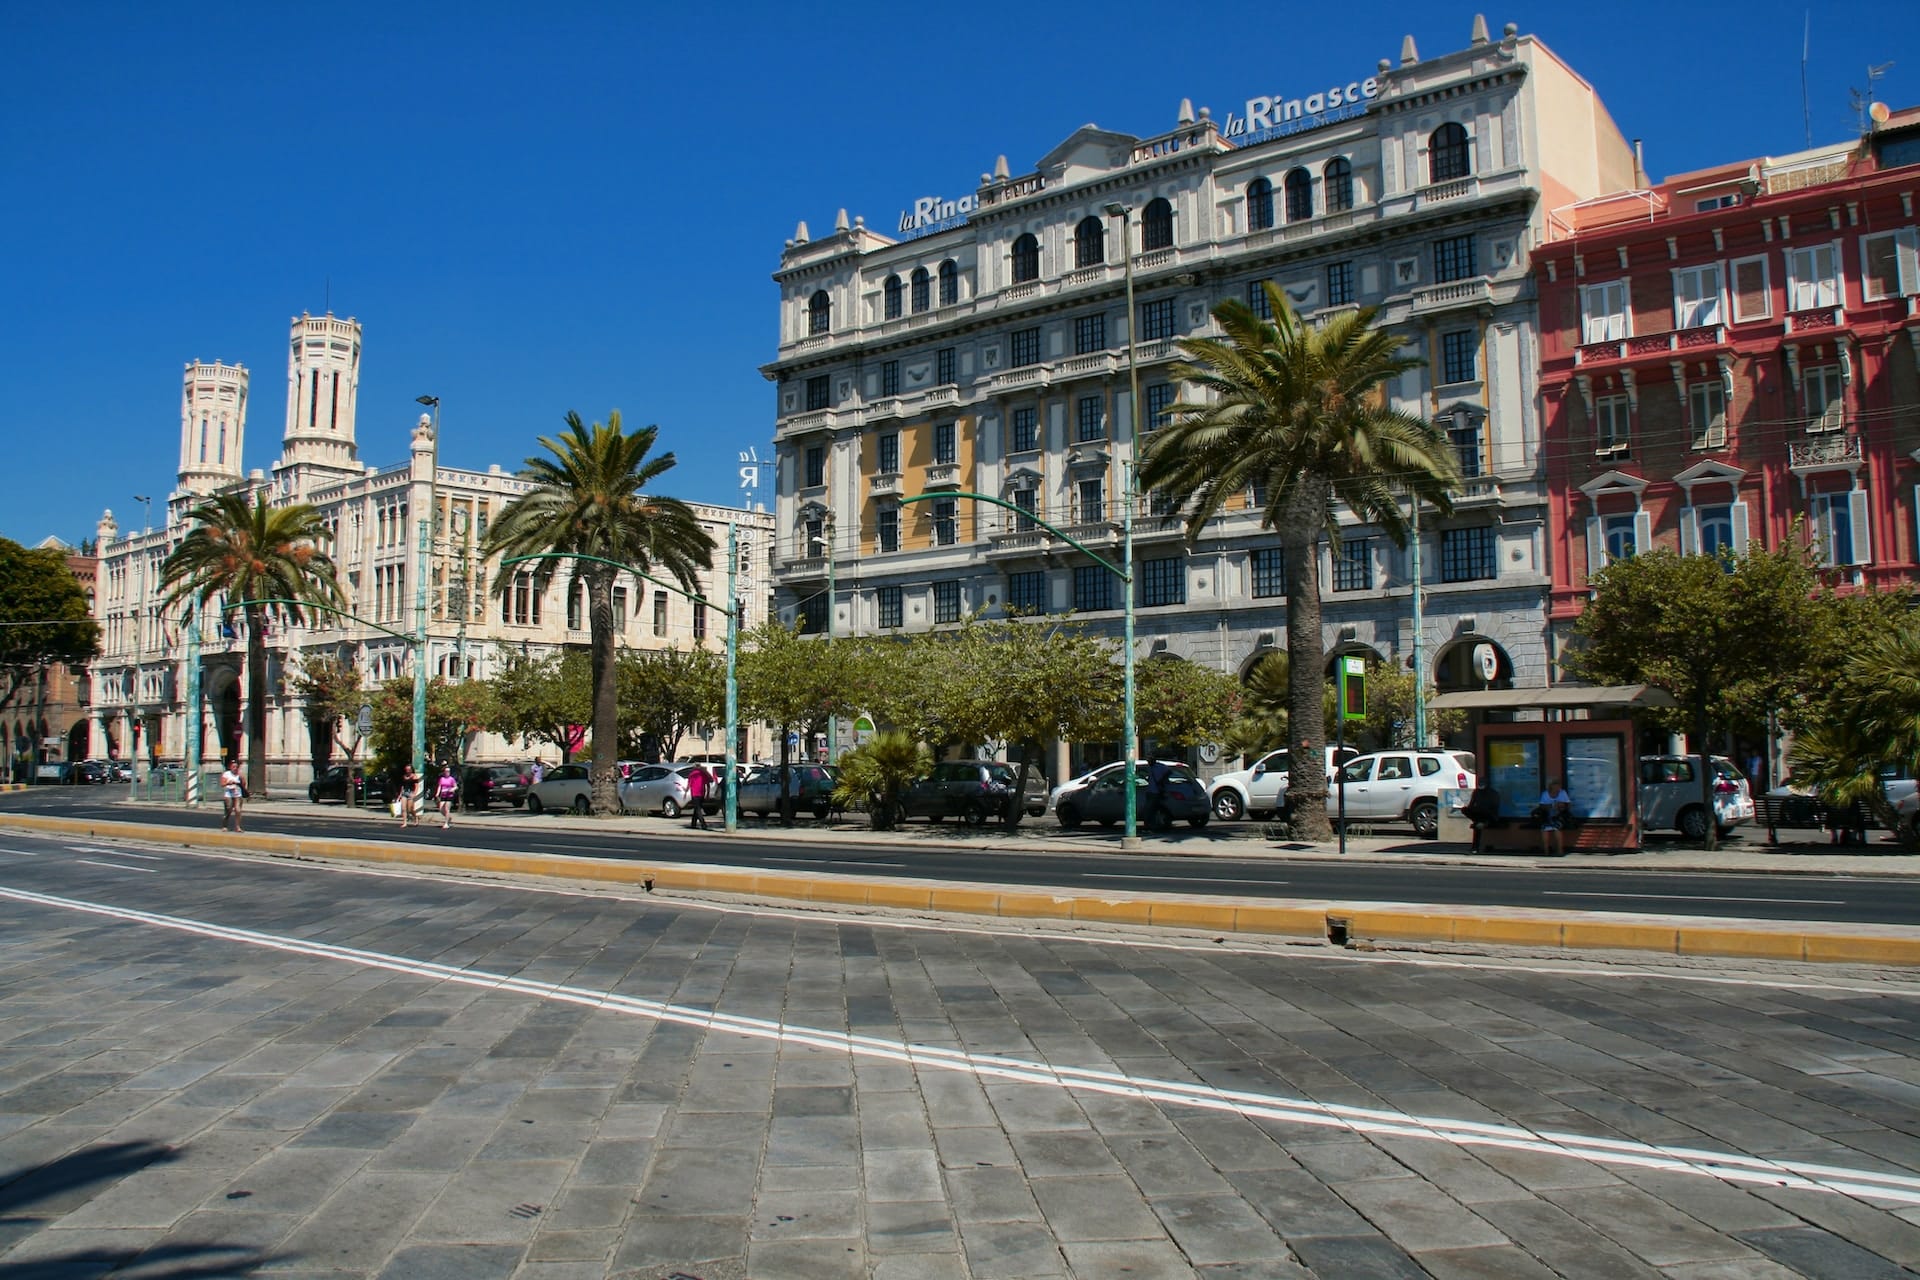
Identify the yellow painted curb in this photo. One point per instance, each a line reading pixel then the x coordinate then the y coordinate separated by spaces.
pixel 1621 935
pixel 1754 944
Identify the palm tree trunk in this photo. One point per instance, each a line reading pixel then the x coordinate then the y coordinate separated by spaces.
pixel 256 703
pixel 1299 528
pixel 606 697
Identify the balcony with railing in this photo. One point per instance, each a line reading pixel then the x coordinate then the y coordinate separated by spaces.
pixel 1813 320
pixel 1476 292
pixel 1651 347
pixel 943 475
pixel 887 484
pixel 1825 453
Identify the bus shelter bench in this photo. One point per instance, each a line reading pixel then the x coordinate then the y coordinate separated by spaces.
pixel 1844 824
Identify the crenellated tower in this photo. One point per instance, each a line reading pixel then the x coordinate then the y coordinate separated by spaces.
pixel 213 425
pixel 323 390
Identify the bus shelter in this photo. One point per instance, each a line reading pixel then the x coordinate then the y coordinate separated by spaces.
pixel 1584 735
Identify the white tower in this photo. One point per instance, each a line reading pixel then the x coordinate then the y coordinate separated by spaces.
pixel 323 389
pixel 213 425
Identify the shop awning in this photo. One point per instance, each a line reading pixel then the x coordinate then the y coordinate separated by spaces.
pixel 1623 697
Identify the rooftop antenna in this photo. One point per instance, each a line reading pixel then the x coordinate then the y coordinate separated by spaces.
pixel 1862 100
pixel 329 293
pixel 1806 111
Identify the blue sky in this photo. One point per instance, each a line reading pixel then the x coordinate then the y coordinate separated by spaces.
pixel 580 208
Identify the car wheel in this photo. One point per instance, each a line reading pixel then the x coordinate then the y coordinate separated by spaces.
pixel 313 795
pixel 1227 805
pixel 1069 816
pixel 1425 816
pixel 821 812
pixel 517 803
pixel 534 805
pixel 1693 822
pixel 582 806
pixel 669 808
pixel 1197 821
pixel 1106 822
pixel 975 815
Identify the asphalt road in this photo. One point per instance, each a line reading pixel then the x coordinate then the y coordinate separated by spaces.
pixel 220 1065
pixel 1849 899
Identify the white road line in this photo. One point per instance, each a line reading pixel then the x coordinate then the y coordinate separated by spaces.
pixel 20 852
pixel 113 853
pixel 1723 1166
pixel 1685 897
pixel 148 871
pixel 1198 882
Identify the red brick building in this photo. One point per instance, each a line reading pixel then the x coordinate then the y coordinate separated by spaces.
pixel 1731 350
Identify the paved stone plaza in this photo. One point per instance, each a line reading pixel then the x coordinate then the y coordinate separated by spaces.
pixel 216 1065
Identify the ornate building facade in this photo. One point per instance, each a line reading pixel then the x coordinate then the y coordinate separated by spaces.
pixel 139 683
pixel 985 348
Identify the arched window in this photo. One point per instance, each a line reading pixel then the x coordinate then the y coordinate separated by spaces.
pixel 1156 226
pixel 819 312
pixel 1447 154
pixel 893 297
pixel 1299 196
pixel 1337 182
pixel 949 283
pixel 1259 205
pixel 922 290
pixel 1089 243
pixel 1026 259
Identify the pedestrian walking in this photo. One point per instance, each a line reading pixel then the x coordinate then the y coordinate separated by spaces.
pixel 539 772
pixel 409 797
pixel 1158 817
pixel 233 795
pixel 444 792
pixel 698 785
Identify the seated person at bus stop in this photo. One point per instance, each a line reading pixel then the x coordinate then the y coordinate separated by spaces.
pixel 1482 809
pixel 1555 807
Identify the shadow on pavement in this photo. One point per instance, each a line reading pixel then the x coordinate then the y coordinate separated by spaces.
pixel 101 1163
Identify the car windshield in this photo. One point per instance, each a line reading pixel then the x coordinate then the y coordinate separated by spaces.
pixel 1002 774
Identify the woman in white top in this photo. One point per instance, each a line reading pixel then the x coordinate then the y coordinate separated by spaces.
pixel 232 796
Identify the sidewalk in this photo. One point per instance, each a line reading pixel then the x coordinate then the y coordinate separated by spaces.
pixel 1746 852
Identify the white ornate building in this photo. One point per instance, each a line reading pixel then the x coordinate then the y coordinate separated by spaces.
pixel 983 348
pixel 139 683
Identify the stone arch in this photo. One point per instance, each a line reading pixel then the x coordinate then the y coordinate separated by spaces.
pixel 1453 665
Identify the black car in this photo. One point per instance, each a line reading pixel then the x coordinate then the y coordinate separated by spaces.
pixel 970 790
pixel 484 785
pixel 90 773
pixel 368 789
pixel 1104 800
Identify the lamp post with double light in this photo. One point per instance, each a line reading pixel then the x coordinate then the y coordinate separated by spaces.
pixel 1128 726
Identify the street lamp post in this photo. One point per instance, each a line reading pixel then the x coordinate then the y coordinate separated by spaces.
pixel 420 598
pixel 1128 728
pixel 140 783
pixel 729 797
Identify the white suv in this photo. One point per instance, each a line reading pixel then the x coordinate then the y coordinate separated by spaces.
pixel 1400 786
pixel 1262 788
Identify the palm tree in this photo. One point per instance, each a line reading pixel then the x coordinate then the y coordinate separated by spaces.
pixel 244 550
pixel 587 500
pixel 1300 410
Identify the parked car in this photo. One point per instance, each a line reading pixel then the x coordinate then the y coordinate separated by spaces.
pixel 1670 795
pixel 1103 799
pixel 484 785
pixel 1139 767
pixel 1400 786
pixel 663 789
pixel 973 791
pixel 1262 788
pixel 810 785
pixel 368 789
pixel 564 787
pixel 92 773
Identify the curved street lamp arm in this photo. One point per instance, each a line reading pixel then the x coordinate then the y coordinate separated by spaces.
pixel 1055 530
pixel 323 608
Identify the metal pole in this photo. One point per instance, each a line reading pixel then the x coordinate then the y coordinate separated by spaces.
pixel 833 721
pixel 1128 727
pixel 1419 649
pixel 730 808
pixel 193 705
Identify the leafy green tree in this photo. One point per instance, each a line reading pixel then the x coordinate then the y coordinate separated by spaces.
pixel 1019 682
pixel 667 693
pixel 877 771
pixel 331 686
pixel 540 700
pixel 1726 637
pixel 1872 723
pixel 1183 704
pixel 1262 723
pixel 1301 410
pixel 46 615
pixel 456 711
pixel 795 684
pixel 247 551
pixel 590 499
